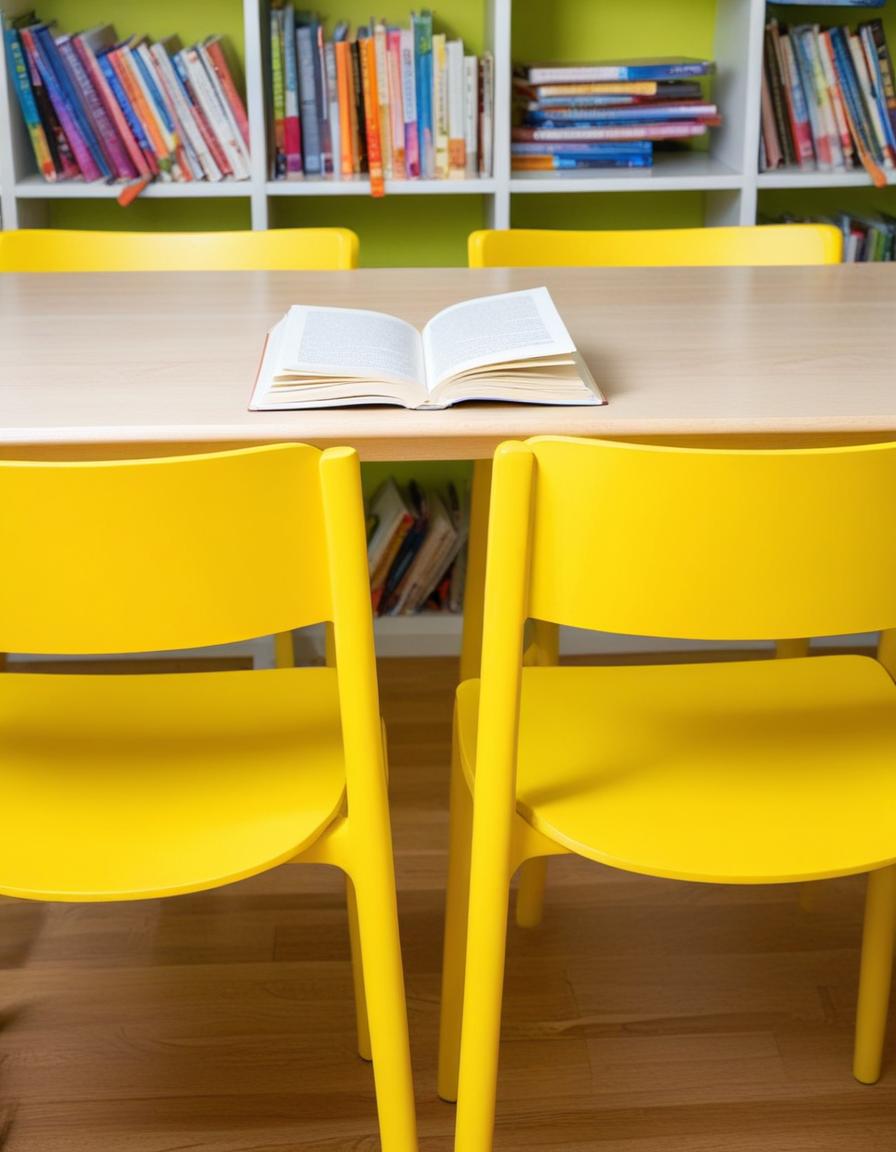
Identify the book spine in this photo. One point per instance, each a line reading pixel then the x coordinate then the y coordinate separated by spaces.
pixel 87 165
pixel 60 150
pixel 802 130
pixel 858 125
pixel 185 113
pixel 396 113
pixel 89 57
pixel 382 96
pixel 422 25
pixel 409 106
pixel 486 113
pixel 323 102
pixel 440 105
pixel 308 100
pixel 234 101
pixel 886 69
pixel 278 88
pixel 826 56
pixel 333 101
pixel 883 150
pixel 681 130
pixel 106 64
pixel 162 140
pixel 110 142
pixel 457 148
pixel 471 115
pixel 771 155
pixel 59 55
pixel 214 113
pixel 776 93
pixel 828 116
pixel 562 163
pixel 371 117
pixel 379 575
pixel 211 140
pixel 601 73
pixel 19 71
pixel 807 82
pixel 159 106
pixel 616 147
pixel 346 102
pixel 156 57
pixel 229 126
pixel 358 109
pixel 872 61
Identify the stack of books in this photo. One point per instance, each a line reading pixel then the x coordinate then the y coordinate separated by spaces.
pixel 606 115
pixel 867 239
pixel 389 103
pixel 828 99
pixel 416 549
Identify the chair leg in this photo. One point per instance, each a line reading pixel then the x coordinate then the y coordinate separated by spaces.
pixel 357 972
pixel 474 588
pixel 374 886
pixel 875 974
pixel 530 892
pixel 484 985
pixel 455 942
pixel 283 651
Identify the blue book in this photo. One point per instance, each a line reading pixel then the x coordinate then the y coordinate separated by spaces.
pixel 655 68
pixel 153 89
pixel 640 148
pixel 133 120
pixel 852 93
pixel 422 28
pixel 640 114
pixel 55 74
pixel 548 163
pixel 866 33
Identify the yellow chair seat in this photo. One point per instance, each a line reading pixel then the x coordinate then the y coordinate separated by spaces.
pixel 749 772
pixel 123 787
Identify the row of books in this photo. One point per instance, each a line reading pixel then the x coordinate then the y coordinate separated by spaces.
pixel 391 103
pixel 828 99
pixel 606 115
pixel 97 108
pixel 417 548
pixel 867 239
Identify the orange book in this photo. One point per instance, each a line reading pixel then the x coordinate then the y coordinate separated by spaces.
pixel 346 103
pixel 372 117
pixel 119 59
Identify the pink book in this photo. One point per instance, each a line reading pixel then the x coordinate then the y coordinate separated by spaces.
pixel 88 45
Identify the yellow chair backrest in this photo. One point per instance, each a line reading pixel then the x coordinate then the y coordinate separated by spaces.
pixel 279 249
pixel 147 555
pixel 762 244
pixel 693 543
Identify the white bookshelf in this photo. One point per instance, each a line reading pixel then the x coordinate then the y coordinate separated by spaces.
pixel 727 173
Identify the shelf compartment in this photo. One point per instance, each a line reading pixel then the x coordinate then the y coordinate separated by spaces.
pixel 679 172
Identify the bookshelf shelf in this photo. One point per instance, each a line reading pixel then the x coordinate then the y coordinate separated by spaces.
pixel 356 187
pixel 36 188
pixel 696 171
pixel 794 178
pixel 726 173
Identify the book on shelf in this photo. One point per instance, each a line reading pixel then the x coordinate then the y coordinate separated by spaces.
pixel 385 102
pixel 98 108
pixel 828 99
pixel 416 552
pixel 867 237
pixel 510 347
pixel 565 112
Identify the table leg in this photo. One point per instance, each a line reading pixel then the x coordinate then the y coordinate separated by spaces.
pixel 474 589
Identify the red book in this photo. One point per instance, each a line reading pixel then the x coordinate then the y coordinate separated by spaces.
pixel 88 45
pixel 222 71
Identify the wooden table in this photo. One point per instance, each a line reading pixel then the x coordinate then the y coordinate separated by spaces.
pixel 120 364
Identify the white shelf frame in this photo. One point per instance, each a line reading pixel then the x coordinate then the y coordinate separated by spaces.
pixel 727 173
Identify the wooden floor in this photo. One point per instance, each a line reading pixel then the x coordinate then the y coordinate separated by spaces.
pixel 643 1016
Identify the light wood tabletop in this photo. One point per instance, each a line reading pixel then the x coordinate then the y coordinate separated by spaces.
pixel 168 359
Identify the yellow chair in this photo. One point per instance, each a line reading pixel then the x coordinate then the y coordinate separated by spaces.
pixel 755 772
pixel 664 247
pixel 761 245
pixel 276 250
pixel 138 786
pixel 281 249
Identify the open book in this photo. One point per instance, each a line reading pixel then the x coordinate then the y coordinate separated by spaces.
pixel 509 347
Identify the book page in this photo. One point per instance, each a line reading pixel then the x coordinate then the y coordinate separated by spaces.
pixel 341 343
pixel 512 326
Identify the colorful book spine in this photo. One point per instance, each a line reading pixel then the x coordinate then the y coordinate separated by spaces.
pixel 549 163
pixel 802 128
pixel 89 46
pixel 323 102
pixel 486 113
pixel 117 88
pixel 36 46
pixel 63 158
pixel 396 112
pixel 346 103
pixel 278 89
pixel 679 130
pixel 382 96
pixel 885 65
pixel 409 105
pixel 208 135
pixel 440 105
pixel 214 46
pixel 471 115
pixel 333 102
pixel 371 117
pixel 201 157
pixel 457 148
pixel 633 71
pixel 18 69
pixel 110 143
pixel 423 68
pixel 875 72
pixel 227 124
pixel 358 109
